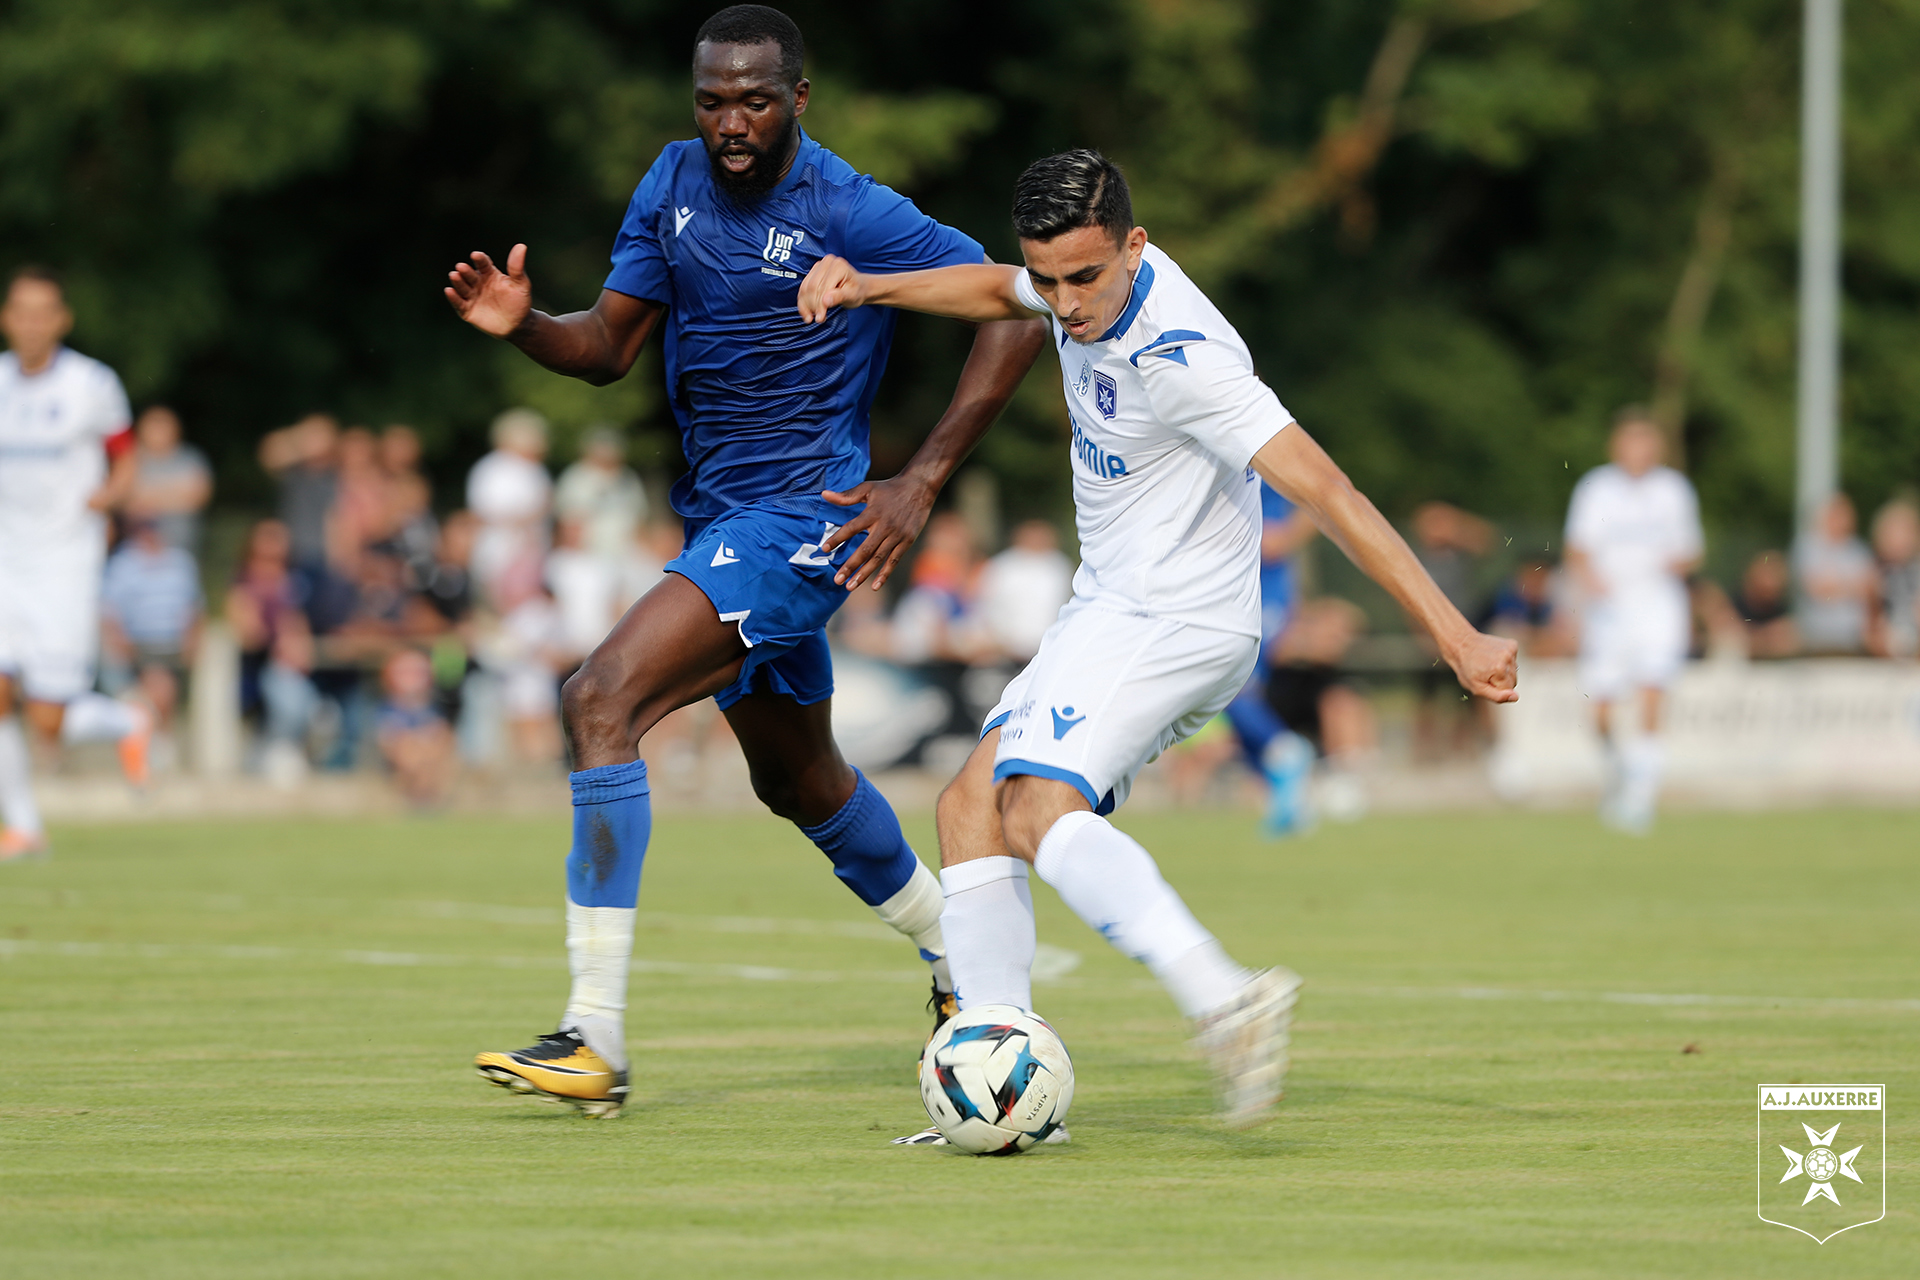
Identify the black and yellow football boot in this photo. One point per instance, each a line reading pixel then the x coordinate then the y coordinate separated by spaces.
pixel 942 1005
pixel 560 1067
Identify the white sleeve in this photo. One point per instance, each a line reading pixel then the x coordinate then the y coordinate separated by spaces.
pixel 1205 390
pixel 111 412
pixel 1029 296
pixel 1687 533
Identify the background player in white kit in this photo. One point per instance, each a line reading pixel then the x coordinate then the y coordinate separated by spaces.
pixel 58 410
pixel 1633 536
pixel 1169 426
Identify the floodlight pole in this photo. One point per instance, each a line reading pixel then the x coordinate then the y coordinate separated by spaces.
pixel 1819 379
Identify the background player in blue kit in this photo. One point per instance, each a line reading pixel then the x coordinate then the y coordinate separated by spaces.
pixel 1282 756
pixel 773 418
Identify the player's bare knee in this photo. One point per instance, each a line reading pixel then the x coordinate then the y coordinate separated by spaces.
pixel 965 806
pixel 962 800
pixel 580 696
pixel 789 797
pixel 588 710
pixel 1024 817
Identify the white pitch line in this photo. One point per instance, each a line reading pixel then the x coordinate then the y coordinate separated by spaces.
pixel 484 912
pixel 1051 964
pixel 12 947
pixel 1676 999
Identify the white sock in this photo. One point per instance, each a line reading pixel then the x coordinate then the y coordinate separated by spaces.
pixel 1113 884
pixel 16 779
pixel 915 911
pixel 1642 761
pixel 599 951
pixel 989 926
pixel 94 717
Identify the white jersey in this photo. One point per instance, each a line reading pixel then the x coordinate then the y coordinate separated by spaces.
pixel 53 430
pixel 1633 531
pixel 1167 414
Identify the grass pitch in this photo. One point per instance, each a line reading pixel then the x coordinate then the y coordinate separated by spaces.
pixel 242 1050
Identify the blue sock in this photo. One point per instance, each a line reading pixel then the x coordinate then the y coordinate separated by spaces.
pixel 1254 720
pixel 612 817
pixel 865 844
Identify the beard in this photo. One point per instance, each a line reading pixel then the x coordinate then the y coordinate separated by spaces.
pixel 769 165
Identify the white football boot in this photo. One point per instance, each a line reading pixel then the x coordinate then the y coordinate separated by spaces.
pixel 932 1137
pixel 1246 1044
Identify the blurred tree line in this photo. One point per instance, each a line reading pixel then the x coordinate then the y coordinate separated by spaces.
pixel 1457 233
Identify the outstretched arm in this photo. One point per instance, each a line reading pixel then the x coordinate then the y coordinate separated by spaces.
pixel 596 346
pixel 897 509
pixel 1295 464
pixel 978 292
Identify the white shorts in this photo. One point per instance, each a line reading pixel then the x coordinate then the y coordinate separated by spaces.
pixel 1108 692
pixel 1639 643
pixel 50 620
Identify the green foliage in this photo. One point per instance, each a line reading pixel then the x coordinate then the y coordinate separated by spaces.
pixel 1458 233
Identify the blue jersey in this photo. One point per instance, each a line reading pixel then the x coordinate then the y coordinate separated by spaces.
pixel 1276 576
pixel 769 407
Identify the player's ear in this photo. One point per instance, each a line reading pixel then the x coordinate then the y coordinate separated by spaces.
pixel 800 92
pixel 1136 242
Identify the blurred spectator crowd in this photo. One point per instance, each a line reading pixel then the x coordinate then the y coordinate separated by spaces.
pixel 363 619
pixel 369 628
pixel 1832 594
pixel 378 626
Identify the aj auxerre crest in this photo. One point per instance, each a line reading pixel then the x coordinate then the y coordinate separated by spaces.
pixel 1106 396
pixel 1823 1157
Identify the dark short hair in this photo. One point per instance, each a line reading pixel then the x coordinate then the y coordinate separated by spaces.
pixel 39 274
pixel 757 24
pixel 1630 414
pixel 1072 190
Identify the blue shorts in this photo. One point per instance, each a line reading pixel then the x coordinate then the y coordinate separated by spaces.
pixel 762 568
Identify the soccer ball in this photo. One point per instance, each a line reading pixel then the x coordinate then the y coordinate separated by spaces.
pixel 996 1080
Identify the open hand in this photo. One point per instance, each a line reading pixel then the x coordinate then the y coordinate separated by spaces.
pixel 1488 667
pixel 832 283
pixel 896 512
pixel 493 301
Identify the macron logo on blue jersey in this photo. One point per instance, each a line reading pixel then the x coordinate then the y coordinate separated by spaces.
pixel 681 217
pixel 723 555
pixel 1063 723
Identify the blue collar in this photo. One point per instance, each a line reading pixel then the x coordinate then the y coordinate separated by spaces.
pixel 1136 298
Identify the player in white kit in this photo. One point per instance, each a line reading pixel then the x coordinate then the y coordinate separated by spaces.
pixel 1170 427
pixel 1633 536
pixel 58 412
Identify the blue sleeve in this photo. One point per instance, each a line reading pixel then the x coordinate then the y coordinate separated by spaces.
pixel 639 263
pixel 886 232
pixel 1272 505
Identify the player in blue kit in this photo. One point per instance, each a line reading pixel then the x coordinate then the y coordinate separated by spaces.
pixel 1283 757
pixel 781 520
